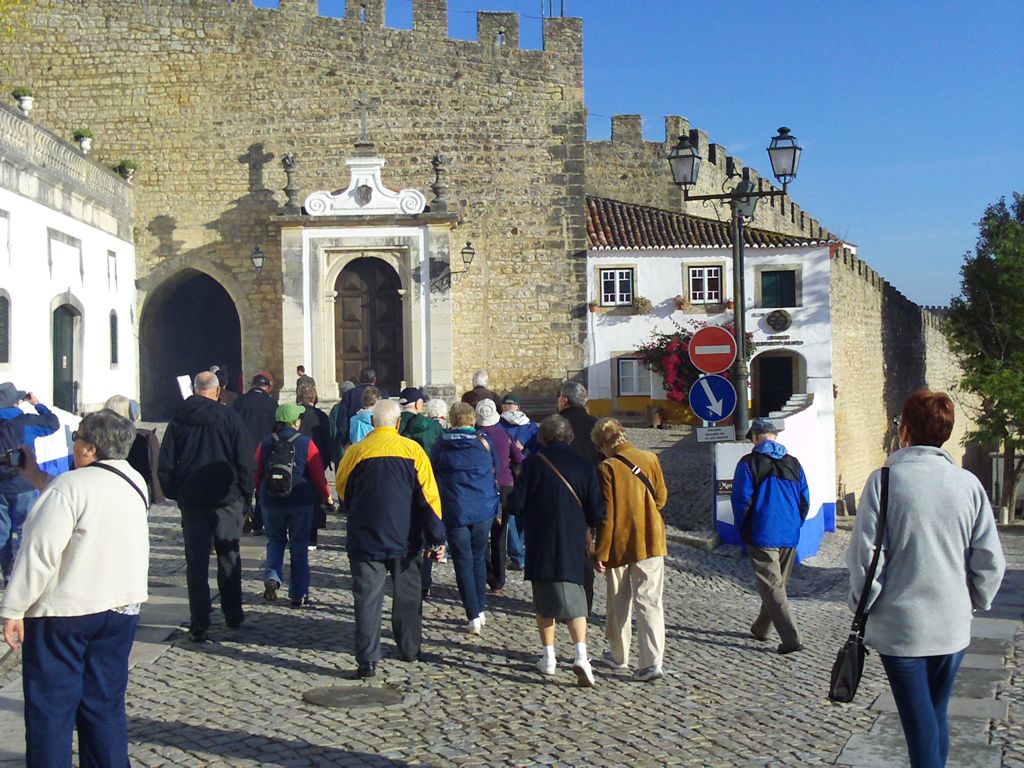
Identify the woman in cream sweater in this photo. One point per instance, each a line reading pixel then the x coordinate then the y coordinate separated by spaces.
pixel 73 600
pixel 631 549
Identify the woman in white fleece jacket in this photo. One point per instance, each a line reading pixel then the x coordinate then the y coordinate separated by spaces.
pixel 941 560
pixel 73 599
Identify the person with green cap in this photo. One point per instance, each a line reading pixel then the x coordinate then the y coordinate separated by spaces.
pixel 291 479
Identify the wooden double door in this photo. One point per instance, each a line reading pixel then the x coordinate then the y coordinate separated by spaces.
pixel 368 321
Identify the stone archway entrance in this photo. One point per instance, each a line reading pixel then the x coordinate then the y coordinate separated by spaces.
pixel 188 324
pixel 369 323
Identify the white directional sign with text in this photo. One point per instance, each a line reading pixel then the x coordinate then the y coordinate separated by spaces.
pixel 712 398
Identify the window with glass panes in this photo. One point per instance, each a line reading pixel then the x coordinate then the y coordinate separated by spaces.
pixel 634 378
pixel 616 287
pixel 705 285
pixel 778 288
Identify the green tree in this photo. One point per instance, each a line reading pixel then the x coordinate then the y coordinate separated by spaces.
pixel 986 332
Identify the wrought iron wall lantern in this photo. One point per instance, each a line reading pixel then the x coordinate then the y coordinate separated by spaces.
pixel 258 259
pixel 444 281
pixel 684 160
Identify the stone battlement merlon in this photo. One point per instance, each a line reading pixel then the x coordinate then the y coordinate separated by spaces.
pixel 628 130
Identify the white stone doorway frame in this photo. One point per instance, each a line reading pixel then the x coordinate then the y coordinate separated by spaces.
pixel 313 257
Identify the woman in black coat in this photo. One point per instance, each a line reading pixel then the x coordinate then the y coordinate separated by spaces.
pixel 559 499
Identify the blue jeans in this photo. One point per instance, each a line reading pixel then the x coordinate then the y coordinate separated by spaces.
pixel 14 509
pixel 516 545
pixel 288 525
pixel 467 545
pixel 922 686
pixel 74 673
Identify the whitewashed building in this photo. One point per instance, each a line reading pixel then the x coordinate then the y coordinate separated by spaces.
pixel 67 271
pixel 682 267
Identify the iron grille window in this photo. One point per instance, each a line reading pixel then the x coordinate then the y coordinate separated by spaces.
pixel 705 285
pixel 5 329
pixel 113 338
pixel 616 287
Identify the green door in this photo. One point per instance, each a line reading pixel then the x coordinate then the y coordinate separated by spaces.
pixel 64 358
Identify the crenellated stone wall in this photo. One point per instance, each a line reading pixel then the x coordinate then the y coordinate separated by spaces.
pixel 632 170
pixel 207 96
pixel 883 348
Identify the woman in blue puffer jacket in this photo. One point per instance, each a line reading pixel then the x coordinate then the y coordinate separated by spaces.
pixel 465 467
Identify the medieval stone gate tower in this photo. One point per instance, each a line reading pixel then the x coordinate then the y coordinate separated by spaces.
pixel 208 96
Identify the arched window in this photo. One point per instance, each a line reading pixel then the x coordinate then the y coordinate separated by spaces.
pixel 113 337
pixel 5 329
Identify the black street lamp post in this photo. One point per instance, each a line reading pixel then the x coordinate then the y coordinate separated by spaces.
pixel 684 160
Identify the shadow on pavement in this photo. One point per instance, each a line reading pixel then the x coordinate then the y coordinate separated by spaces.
pixel 240 745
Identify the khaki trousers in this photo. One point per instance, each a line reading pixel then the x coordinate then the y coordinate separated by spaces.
pixel 772 567
pixel 640 584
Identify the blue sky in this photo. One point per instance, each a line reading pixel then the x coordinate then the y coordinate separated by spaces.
pixel 910 113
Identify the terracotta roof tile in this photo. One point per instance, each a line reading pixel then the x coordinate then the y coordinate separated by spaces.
pixel 614 225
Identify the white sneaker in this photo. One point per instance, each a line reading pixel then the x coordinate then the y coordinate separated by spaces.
pixel 648 674
pixel 474 626
pixel 584 673
pixel 609 661
pixel 311 547
pixel 547 667
pixel 482 618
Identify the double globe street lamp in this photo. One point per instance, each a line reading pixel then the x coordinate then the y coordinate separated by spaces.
pixel 684 160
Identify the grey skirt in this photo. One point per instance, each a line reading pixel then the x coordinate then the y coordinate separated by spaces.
pixel 562 600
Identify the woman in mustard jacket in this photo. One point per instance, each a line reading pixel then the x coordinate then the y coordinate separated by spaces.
pixel 631 549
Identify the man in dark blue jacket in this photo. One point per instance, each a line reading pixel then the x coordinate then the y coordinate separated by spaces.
pixel 770 499
pixel 207 461
pixel 18 426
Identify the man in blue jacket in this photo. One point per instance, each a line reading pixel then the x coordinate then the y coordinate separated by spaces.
pixel 22 419
pixel 770 499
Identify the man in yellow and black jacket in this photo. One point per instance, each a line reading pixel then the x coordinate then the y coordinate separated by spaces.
pixel 394 512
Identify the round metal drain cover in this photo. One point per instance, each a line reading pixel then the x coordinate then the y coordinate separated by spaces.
pixel 353 696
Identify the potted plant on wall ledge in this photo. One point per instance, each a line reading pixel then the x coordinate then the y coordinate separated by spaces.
pixel 681 302
pixel 25 98
pixel 84 138
pixel 593 305
pixel 126 169
pixel 641 305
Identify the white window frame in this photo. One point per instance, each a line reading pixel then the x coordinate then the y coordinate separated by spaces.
pixel 639 376
pixel 704 296
pixel 618 297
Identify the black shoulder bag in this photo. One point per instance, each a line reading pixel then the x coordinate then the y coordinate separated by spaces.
pixel 634 469
pixel 849 664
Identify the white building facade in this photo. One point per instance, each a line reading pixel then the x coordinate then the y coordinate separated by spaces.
pixel 67 271
pixel 652 272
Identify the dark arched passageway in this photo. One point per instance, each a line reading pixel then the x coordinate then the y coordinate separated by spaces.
pixel 188 324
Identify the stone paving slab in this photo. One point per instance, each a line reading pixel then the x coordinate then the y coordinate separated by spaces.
pixel 995 629
pixel 959 706
pixel 982 661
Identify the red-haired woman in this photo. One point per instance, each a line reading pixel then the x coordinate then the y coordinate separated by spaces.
pixel 941 560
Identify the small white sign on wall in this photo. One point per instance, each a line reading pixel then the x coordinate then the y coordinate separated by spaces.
pixel 716 434
pixel 185 387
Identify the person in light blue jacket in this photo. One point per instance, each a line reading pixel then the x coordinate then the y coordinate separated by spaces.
pixel 941 560
pixel 361 424
pixel 770 499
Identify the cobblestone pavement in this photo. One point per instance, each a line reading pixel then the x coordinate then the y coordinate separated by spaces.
pixel 726 700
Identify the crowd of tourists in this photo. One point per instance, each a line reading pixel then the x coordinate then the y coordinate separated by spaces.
pixel 477 484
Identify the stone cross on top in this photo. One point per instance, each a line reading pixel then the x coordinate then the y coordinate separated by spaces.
pixel 364 105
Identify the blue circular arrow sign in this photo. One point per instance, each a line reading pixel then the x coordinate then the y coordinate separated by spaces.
pixel 712 398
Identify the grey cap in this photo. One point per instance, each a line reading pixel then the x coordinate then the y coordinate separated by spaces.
pixel 763 426
pixel 10 394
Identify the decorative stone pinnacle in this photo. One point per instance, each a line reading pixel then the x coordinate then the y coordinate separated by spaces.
pixel 440 186
pixel 291 189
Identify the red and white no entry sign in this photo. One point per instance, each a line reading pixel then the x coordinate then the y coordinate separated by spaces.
pixel 712 349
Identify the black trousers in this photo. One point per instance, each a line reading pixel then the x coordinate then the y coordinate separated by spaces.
pixel 368 579
pixel 224 524
pixel 498 551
